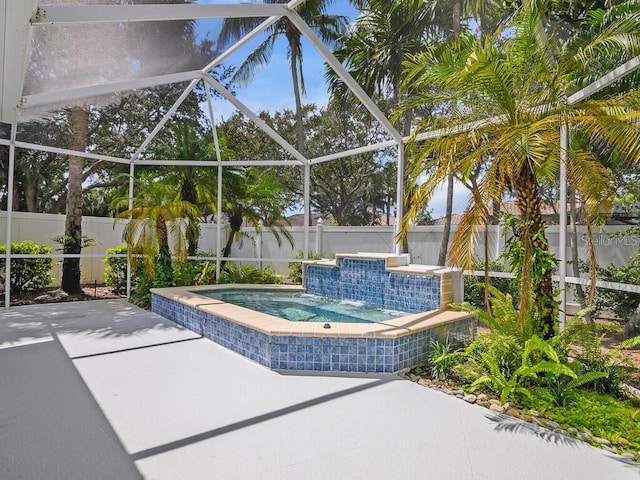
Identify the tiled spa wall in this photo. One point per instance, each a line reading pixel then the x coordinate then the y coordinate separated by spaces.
pixel 291 352
pixel 372 281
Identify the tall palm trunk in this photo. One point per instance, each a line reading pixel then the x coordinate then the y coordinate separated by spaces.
pixel 293 37
pixel 293 63
pixel 31 197
pixel 446 233
pixel 190 195
pixel 534 279
pixel 78 132
pixel 163 270
pixel 235 224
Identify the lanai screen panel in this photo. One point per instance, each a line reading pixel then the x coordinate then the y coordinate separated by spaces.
pixel 64 57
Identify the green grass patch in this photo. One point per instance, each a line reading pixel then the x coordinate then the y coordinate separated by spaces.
pixel 603 415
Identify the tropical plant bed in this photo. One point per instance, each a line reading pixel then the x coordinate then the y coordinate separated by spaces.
pixel 602 420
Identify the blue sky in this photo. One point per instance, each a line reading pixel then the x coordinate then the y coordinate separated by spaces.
pixel 272 90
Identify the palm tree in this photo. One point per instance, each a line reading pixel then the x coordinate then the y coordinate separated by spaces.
pixel 177 36
pixel 456 12
pixel 158 220
pixel 195 184
pixel 519 83
pixel 373 51
pixel 252 195
pixel 328 28
pixel 379 42
pixel 78 133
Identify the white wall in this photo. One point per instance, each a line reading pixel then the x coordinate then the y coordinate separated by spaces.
pixel 424 242
pixel 42 228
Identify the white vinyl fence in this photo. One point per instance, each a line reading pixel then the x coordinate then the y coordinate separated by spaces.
pixel 261 248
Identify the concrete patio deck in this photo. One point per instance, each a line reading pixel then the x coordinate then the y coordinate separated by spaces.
pixel 102 389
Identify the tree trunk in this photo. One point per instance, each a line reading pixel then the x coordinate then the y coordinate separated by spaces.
pixel 31 197
pixel 536 283
pixel 298 100
pixel 446 233
pixel 189 194
pixel 235 224
pixel 163 271
pixel 15 204
pixel 444 245
pixel 78 131
pixel 408 189
pixel 293 62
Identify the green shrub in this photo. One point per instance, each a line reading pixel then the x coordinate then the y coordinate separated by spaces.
pixel 537 357
pixel 235 273
pixel 295 268
pixel 604 415
pixel 474 287
pixel 622 304
pixel 180 274
pixel 512 359
pixel 28 274
pixel 442 358
pixel 194 272
pixel 115 269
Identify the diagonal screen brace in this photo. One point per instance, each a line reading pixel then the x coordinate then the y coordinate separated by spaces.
pixel 255 118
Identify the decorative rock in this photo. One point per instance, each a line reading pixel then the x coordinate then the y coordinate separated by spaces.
pixel 585 437
pixel 413 377
pixel 424 381
pixel 526 418
pixel 513 412
pixel 572 431
pixel 552 424
pixel 610 449
pixel 628 456
pixel 470 398
pixel 536 421
pixel 496 408
pixel 483 397
pixel 623 441
pixel 533 413
pixel 483 403
pixel 459 395
pixel 453 392
pixel 602 441
pixel 507 406
pixel 493 401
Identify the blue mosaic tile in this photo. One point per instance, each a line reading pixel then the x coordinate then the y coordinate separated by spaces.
pixel 399 291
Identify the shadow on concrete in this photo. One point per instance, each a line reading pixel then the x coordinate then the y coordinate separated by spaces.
pixel 254 420
pixel 52 427
pixel 506 423
pixel 102 319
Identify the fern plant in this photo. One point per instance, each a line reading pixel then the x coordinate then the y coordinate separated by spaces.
pixel 538 357
pixel 505 318
pixel 564 392
pixel 442 358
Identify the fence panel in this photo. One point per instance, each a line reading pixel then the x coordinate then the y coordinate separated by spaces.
pixel 424 242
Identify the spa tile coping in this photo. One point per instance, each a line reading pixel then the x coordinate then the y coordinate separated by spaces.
pixel 393 263
pixel 274 326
